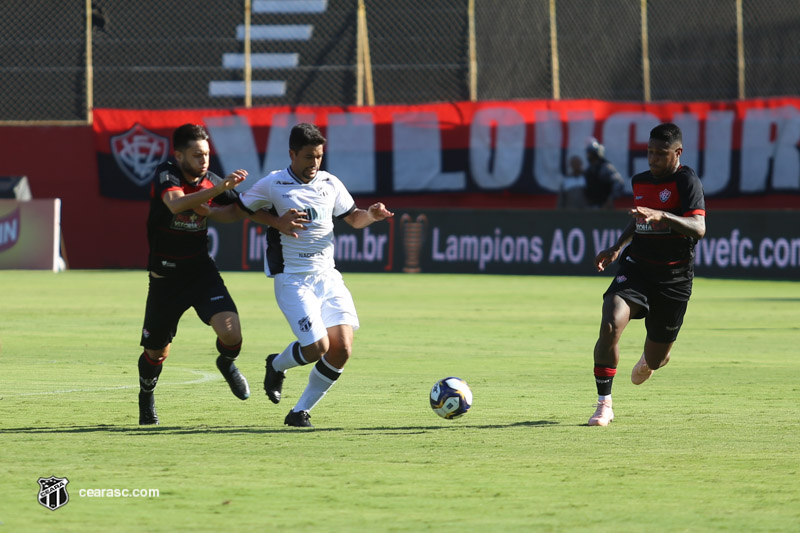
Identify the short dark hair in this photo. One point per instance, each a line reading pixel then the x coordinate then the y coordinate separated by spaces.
pixel 668 132
pixel 305 134
pixel 187 133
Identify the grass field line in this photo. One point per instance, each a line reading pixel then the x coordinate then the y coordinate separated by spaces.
pixel 204 378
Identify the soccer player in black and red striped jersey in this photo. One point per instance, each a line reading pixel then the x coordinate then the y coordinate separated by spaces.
pixel 655 272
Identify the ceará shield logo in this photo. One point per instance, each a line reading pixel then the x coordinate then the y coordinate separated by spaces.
pixel 138 152
pixel 53 492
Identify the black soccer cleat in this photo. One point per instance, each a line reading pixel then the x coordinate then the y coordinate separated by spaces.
pixel 298 419
pixel 235 379
pixel 147 409
pixel 273 381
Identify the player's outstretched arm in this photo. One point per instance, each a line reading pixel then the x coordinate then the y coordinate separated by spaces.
pixel 361 218
pixel 225 214
pixel 178 202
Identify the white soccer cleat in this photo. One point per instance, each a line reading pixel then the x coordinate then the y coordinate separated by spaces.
pixel 603 415
pixel 641 372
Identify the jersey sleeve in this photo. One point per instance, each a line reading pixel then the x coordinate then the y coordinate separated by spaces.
pixel 256 197
pixel 166 179
pixel 692 198
pixel 344 203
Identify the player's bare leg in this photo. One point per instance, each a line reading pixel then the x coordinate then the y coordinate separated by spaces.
pixel 617 313
pixel 341 345
pixel 227 327
pixel 229 343
pixel 655 355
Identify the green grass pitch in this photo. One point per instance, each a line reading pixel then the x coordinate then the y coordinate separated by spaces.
pixel 710 443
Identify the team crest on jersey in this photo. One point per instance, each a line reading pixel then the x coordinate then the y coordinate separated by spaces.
pixel 53 492
pixel 664 195
pixel 138 152
pixel 622 279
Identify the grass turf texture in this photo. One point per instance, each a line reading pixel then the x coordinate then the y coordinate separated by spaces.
pixel 710 443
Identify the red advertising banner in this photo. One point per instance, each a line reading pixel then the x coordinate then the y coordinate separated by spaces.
pixel 30 234
pixel 742 149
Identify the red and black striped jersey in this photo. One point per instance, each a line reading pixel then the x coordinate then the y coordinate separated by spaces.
pixel 178 241
pixel 656 244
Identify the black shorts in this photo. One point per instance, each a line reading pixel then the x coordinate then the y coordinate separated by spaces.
pixel 663 296
pixel 169 297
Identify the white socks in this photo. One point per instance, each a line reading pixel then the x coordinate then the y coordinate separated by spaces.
pixel 290 357
pixel 320 380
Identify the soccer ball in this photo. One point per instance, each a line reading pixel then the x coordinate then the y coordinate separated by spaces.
pixel 451 397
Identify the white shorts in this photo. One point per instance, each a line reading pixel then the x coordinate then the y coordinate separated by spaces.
pixel 312 303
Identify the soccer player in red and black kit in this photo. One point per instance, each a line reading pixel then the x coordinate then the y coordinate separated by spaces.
pixel 654 277
pixel 182 274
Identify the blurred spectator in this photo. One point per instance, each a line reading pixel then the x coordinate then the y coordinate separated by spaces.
pixel 572 193
pixel 603 182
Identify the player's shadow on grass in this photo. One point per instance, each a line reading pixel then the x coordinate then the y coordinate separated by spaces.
pixel 189 430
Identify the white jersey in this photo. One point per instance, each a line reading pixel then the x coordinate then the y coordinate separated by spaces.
pixel 322 198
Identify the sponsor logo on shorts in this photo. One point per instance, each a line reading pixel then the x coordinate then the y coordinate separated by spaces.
pixel 145 333
pixel 621 279
pixel 215 298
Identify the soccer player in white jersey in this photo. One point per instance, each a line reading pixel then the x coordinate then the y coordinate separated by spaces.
pixel 309 290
